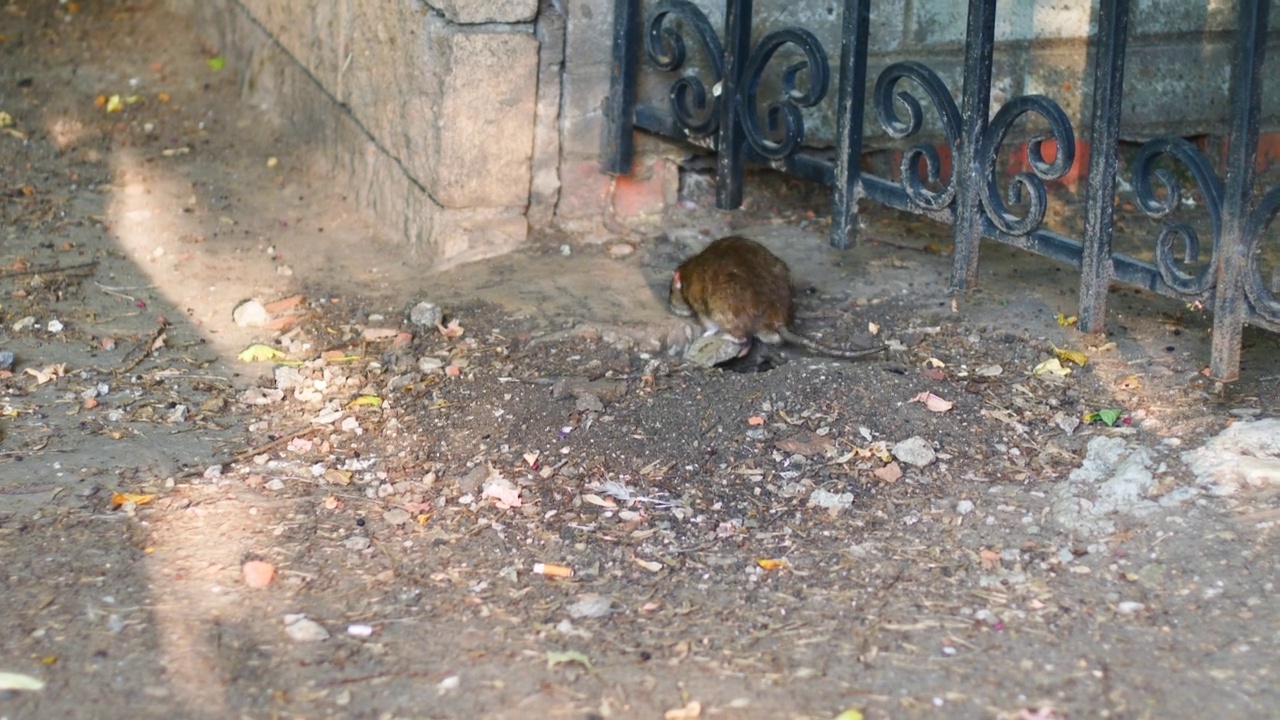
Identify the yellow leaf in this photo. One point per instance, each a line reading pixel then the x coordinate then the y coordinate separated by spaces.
pixel 1065 321
pixel 118 499
pixel 6 120
pixel 770 564
pixel 555 658
pixel 259 352
pixel 850 714
pixel 366 401
pixel 1052 366
pixel 1074 356
pixel 114 104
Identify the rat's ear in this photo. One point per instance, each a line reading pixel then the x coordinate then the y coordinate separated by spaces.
pixel 675 279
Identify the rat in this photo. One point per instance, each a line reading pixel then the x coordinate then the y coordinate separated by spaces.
pixel 737 286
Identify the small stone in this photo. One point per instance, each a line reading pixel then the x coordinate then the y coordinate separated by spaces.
pixel 621 250
pixel 588 402
pixel 829 500
pixel 275 484
pixel 301 628
pixel 288 378
pixel 396 516
pixel 591 605
pixel 426 314
pixel 250 314
pixel 711 350
pixel 428 364
pixel 1130 607
pixel 471 481
pixel 964 507
pixel 915 451
pixel 357 543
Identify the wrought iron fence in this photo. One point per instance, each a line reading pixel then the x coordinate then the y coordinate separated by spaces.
pixel 725 117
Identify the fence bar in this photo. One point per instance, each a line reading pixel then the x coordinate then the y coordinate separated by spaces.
pixel 1097 268
pixel 855 23
pixel 974 108
pixel 730 161
pixel 1234 246
pixel 619 111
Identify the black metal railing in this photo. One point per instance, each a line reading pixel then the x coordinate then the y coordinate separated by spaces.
pixel 725 117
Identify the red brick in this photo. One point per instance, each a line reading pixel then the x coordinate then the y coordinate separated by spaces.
pixel 643 194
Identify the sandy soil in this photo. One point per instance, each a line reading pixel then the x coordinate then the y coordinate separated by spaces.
pixel 790 544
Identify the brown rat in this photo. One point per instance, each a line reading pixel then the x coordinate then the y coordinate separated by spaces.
pixel 737 286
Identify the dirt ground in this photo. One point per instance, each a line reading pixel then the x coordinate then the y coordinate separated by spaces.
pixel 798 543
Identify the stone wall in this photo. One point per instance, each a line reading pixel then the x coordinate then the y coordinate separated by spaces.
pixel 462 123
pixel 427 112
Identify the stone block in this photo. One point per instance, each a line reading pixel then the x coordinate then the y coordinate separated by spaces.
pixel 472 12
pixel 485 117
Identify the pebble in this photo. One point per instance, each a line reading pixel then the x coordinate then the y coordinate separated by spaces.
pixel 591 605
pixel 301 628
pixel 426 314
pixel 829 500
pixel 275 484
pixel 915 451
pixel 621 250
pixel 396 516
pixel 964 507
pixel 250 314
pixel 357 543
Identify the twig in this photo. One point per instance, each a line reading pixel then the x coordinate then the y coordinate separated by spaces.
pixel 146 350
pixel 48 270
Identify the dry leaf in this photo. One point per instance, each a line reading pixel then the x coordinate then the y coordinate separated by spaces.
pixel 504 493
pixel 119 499
pixel 49 372
pixel 932 402
pixel 259 353
pixel 649 565
pixel 692 711
pixel 1074 356
pixel 770 564
pixel 597 500
pixel 990 559
pixel 452 331
pixel 1053 367
pixel 890 473
pixel 755 420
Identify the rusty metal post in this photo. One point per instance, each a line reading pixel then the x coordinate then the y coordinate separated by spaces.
pixel 1238 203
pixel 1104 140
pixel 974 108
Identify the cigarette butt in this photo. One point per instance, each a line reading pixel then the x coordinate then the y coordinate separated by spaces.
pixel 552 570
